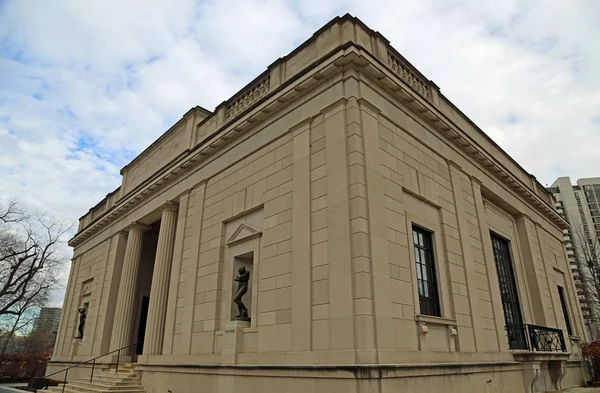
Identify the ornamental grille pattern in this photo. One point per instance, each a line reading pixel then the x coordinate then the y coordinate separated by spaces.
pixel 508 294
pixel 247 98
pixel 545 339
pixel 408 76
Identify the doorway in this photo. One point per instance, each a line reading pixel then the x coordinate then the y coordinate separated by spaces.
pixel 142 325
pixel 144 284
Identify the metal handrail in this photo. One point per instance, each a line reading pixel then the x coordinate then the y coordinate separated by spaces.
pixel 93 360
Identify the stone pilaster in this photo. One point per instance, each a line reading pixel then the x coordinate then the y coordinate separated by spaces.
pixel 157 309
pixel 122 332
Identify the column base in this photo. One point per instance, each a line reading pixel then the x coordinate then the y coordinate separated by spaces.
pixel 112 359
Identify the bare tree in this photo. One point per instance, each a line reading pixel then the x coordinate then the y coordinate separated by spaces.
pixel 587 250
pixel 30 260
pixel 38 341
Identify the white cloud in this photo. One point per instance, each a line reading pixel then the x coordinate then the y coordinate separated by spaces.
pixel 85 86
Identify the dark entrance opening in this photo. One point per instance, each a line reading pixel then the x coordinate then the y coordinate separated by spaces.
pixel 142 326
pixel 143 284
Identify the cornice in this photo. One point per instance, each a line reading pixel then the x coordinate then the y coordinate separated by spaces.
pixel 230 131
pixel 424 109
pixel 348 56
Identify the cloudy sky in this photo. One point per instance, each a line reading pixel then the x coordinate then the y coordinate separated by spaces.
pixel 87 85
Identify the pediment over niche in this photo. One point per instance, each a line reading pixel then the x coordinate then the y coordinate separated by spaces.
pixel 242 233
pixel 86 287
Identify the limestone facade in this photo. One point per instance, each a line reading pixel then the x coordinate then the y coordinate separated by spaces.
pixel 315 176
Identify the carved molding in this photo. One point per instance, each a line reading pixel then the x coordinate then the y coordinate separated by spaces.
pixel 86 287
pixel 248 98
pixel 396 86
pixel 350 57
pixel 409 76
pixel 243 233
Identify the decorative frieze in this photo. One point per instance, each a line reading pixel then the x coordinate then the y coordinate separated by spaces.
pixel 247 98
pixel 409 76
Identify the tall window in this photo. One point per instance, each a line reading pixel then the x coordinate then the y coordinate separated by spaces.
pixel 563 303
pixel 508 293
pixel 426 277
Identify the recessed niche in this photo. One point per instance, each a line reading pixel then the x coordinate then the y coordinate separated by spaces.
pixel 243 275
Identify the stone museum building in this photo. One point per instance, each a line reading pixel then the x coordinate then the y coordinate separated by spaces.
pixel 337 225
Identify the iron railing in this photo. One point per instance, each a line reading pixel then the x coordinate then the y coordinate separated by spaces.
pixel 93 361
pixel 517 339
pixel 535 338
pixel 545 339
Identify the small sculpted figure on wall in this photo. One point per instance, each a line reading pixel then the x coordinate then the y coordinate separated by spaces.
pixel 82 316
pixel 242 278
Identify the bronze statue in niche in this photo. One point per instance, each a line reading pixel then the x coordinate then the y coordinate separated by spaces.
pixel 82 316
pixel 242 278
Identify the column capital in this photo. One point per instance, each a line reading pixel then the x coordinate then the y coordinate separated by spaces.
pixel 169 206
pixel 524 217
pixel 121 233
pixel 476 181
pixel 138 226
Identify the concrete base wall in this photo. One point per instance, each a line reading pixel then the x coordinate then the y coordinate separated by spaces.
pixel 456 378
pixel 576 373
pixel 513 377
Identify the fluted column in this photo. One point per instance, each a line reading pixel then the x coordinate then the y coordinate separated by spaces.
pixel 157 309
pixel 123 325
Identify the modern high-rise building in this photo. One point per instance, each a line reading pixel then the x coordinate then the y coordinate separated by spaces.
pixel 47 320
pixel 579 204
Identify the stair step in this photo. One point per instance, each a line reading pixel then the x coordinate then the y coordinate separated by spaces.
pixel 119 374
pixel 127 366
pixel 105 380
pixel 112 380
pixel 112 371
pixel 69 388
pixel 94 386
pixel 121 368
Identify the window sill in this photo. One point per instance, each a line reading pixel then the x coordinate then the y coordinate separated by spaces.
pixel 434 320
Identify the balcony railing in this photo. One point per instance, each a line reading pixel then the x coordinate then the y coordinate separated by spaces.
pixel 545 339
pixel 535 338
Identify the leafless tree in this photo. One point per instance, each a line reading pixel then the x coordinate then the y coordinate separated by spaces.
pixel 31 261
pixel 38 341
pixel 587 250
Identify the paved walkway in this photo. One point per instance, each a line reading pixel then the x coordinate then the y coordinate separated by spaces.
pixel 581 390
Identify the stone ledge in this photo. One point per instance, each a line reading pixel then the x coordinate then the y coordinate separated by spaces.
pixel 337 371
pixel 533 356
pixel 434 320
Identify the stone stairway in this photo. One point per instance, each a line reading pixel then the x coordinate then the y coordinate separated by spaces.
pixel 105 381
